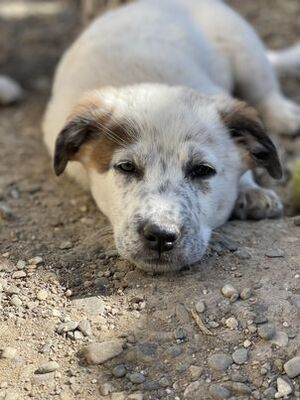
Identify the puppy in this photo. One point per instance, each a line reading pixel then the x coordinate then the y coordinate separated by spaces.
pixel 142 114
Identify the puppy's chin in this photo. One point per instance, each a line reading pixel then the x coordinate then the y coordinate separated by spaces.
pixel 158 266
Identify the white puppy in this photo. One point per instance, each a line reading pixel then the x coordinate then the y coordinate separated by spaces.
pixel 142 108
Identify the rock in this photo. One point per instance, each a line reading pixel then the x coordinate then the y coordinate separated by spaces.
pixel 9 352
pixel 90 305
pixel 246 293
pixel 15 301
pixel 36 260
pixel 42 295
pixel 135 396
pixel 283 388
pixel 11 396
pixel 266 332
pixel 19 275
pixel 240 356
pixel 231 323
pixel 292 367
pixel 230 292
pixel 106 388
pixel 195 372
pixel 43 379
pixel 5 212
pixel 10 90
pixel 98 353
pixel 220 361
pixel 200 306
pixel 274 253
pixel 118 396
pixel 296 301
pixel 65 245
pixel 47 367
pixel 85 327
pixel 193 391
pixel 297 220
pixel 180 334
pixel 68 326
pixel 281 339
pixel 119 371
pixel 77 335
pixel 238 388
pixel 136 377
pixel 21 264
pixel 218 392
pixel 182 313
pixel 243 254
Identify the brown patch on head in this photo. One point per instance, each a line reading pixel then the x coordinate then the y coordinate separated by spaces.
pixel 91 136
pixel 248 132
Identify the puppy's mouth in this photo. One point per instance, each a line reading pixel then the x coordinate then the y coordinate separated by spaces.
pixel 159 263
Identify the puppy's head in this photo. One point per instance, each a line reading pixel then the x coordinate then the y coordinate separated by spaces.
pixel 164 165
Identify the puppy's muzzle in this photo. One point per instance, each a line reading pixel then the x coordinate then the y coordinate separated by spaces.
pixel 159 238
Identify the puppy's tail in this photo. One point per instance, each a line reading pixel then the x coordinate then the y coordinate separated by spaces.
pixel 286 61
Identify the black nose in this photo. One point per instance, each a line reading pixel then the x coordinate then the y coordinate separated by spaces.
pixel 160 238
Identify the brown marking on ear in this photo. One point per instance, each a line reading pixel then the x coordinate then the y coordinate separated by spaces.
pixel 248 132
pixel 91 136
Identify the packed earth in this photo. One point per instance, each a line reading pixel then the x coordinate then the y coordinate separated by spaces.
pixel 76 321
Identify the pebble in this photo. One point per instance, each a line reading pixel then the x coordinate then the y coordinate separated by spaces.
pixel 275 253
pixel 36 260
pixel 246 293
pixel 65 245
pixel 200 306
pixel 91 305
pixel 85 327
pixel 180 334
pixel 243 254
pixel 283 388
pixel 47 367
pixel 11 396
pixel 192 391
pixel 21 264
pixel 119 371
pixel 292 367
pixel 296 301
pixel 106 388
pixel 6 212
pixel 238 388
pixel 266 331
pixel 297 220
pixel 195 371
pixel 220 361
pixel 230 292
pixel 19 274
pixel 231 323
pixel 15 301
pixel 10 90
pixel 240 356
pixel 281 339
pixel 247 343
pixel 135 396
pixel 136 377
pixel 42 295
pixel 9 352
pixel 68 326
pixel 219 392
pixel 98 353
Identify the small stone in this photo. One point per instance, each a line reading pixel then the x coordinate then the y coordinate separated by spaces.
pixel 266 332
pixel 180 334
pixel 78 335
pixel 15 301
pixel 106 388
pixel 238 388
pixel 98 353
pixel 281 339
pixel 192 391
pixel 10 92
pixel 68 326
pixel 243 254
pixel 247 343
pixel 65 245
pixel 195 372
pixel 37 260
pixel 42 295
pixel 68 293
pixel 9 352
pixel 275 253
pixel 47 367
pixel 85 327
pixel 292 367
pixel 163 382
pixel 296 301
pixel 220 361
pixel 91 305
pixel 119 371
pixel 136 377
pixel 135 396
pixel 11 396
pixel 297 220
pixel 231 323
pixel 230 292
pixel 200 306
pixel 240 356
pixel 246 293
pixel 5 211
pixel 283 388
pixel 21 264
pixel 218 392
pixel 19 275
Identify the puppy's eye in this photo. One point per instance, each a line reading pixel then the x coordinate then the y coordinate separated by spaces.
pixel 201 171
pixel 126 167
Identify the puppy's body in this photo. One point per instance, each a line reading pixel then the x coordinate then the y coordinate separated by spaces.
pixel 144 59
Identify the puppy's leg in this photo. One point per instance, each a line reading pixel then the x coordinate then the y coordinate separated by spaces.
pixel 255 202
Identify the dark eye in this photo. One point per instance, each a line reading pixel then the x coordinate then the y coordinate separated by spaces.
pixel 201 171
pixel 127 167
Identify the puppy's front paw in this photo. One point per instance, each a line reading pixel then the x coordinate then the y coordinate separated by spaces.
pixel 257 203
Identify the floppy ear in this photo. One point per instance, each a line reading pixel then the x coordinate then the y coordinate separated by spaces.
pixel 247 131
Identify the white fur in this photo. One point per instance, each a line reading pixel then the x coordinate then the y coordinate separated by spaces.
pixel 139 56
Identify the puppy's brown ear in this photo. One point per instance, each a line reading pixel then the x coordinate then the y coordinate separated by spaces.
pixel 247 130
pixel 82 127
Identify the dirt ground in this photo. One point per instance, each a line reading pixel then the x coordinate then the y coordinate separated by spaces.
pixel 182 338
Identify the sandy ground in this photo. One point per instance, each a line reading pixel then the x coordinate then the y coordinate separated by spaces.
pixel 167 344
